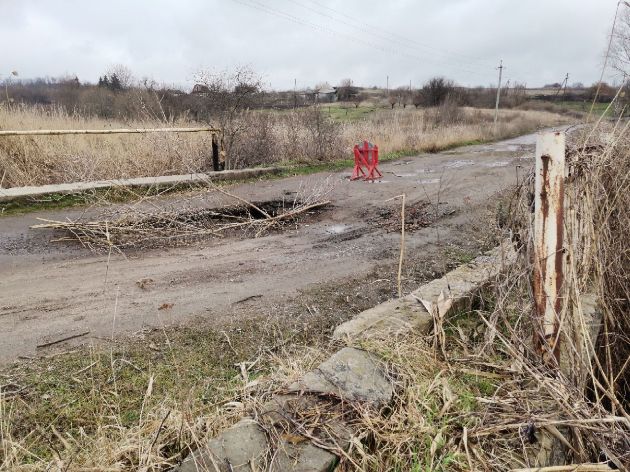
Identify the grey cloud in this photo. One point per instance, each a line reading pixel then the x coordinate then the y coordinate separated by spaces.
pixel 309 40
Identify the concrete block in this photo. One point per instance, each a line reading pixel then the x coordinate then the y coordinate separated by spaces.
pixel 387 319
pixel 410 313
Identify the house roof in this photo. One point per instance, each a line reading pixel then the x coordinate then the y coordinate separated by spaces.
pixel 326 91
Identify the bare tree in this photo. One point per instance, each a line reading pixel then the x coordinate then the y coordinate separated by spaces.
pixel 359 98
pixel 123 74
pixel 437 90
pixel 418 98
pixel 346 91
pixel 321 86
pixel 392 99
pixel 229 94
pixel 404 96
pixel 620 47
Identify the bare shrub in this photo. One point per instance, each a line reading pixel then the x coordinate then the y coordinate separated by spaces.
pixel 448 113
pixel 257 142
pixel 437 90
pixel 323 136
pixel 346 91
pixel 228 94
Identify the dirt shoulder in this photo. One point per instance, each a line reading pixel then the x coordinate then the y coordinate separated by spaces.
pixel 51 291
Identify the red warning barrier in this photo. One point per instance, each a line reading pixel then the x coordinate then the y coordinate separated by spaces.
pixel 366 162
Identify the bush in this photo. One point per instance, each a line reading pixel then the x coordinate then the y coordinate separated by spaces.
pixel 447 114
pixel 437 90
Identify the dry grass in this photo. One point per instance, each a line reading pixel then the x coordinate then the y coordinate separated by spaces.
pixel 598 195
pixel 39 160
pixel 444 127
pixel 303 136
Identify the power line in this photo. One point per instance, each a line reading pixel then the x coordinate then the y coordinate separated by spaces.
pixel 287 16
pixel 388 36
pixel 396 35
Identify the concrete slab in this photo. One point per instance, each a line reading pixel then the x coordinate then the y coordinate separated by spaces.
pixel 16 193
pixel 411 313
pixel 387 319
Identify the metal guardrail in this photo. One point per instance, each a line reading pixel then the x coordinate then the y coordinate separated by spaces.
pixel 216 165
pixel 59 132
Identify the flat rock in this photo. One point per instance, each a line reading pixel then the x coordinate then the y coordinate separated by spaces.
pixel 352 374
pixel 303 457
pixel 233 450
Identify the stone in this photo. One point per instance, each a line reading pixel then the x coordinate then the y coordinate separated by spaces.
pixel 231 451
pixel 303 457
pixel 352 374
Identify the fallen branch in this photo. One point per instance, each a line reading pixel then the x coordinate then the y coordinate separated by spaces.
pixel 60 340
pixel 159 227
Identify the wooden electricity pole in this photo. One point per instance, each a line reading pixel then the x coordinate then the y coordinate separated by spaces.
pixel 564 91
pixel 496 106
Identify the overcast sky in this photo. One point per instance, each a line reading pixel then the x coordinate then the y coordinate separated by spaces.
pixel 309 40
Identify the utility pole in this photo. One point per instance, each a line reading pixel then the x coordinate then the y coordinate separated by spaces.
pixel 496 106
pixel 387 85
pixel 566 82
pixel 294 94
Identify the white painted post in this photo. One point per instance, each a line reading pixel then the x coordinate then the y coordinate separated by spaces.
pixel 548 243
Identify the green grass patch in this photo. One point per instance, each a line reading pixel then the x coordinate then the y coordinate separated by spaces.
pixel 599 109
pixel 347 113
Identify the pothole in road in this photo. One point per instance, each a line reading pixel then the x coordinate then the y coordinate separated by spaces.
pixel 417 215
pixel 136 229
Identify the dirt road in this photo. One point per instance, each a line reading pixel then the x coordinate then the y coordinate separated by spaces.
pixel 50 291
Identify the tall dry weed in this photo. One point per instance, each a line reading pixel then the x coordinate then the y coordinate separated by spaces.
pixel 257 138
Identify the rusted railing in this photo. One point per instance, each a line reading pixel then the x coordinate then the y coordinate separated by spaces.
pixel 60 132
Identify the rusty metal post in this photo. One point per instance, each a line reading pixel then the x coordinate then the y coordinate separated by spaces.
pixel 548 244
pixel 215 153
